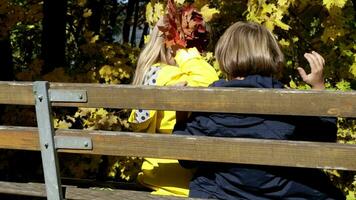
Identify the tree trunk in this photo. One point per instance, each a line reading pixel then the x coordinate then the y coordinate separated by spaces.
pixel 54 35
pixel 127 21
pixel 134 26
pixel 97 8
pixel 144 32
pixel 112 17
pixel 6 63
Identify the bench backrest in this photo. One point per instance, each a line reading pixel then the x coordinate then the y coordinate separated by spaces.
pixel 230 100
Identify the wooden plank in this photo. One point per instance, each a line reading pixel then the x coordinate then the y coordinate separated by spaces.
pixel 16 93
pixel 71 192
pixel 232 150
pixel 229 100
pixel 19 138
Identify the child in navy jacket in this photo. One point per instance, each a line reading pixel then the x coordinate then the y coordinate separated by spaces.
pixel 250 57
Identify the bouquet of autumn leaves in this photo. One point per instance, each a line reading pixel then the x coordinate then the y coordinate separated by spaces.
pixel 184 27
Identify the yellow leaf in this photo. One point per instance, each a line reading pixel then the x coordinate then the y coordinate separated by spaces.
pixel 94 39
pixel 351 195
pixel 87 13
pixel 353 67
pixel 282 25
pixel 282 2
pixel 208 12
pixel 102 112
pixel 146 38
pixel 179 1
pixel 158 11
pixel 292 84
pixel 337 3
pixel 82 3
pixel 61 124
pixel 154 12
pixel 149 12
pixel 269 25
pixel 283 42
pixel 268 8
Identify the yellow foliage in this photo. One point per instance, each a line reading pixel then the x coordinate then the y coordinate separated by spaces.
pixel 200 3
pixel 208 13
pixel 337 3
pixel 353 67
pixel 61 124
pixel 87 13
pixel 94 39
pixel 283 42
pixel 81 3
pixel 333 26
pixel 154 12
pixel 90 37
pixel 295 39
pixel 292 84
pixel 146 38
pixel 99 119
pixel 270 15
pixel 126 168
pixel 179 1
pixel 113 75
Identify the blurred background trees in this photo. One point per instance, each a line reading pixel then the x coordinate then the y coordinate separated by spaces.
pixel 98 41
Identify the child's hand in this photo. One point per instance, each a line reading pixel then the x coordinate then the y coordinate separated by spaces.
pixel 315 78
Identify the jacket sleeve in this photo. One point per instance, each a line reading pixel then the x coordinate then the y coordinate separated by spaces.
pixel 192 68
pixel 201 73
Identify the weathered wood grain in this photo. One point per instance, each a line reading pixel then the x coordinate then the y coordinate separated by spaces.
pixel 71 192
pixel 232 150
pixel 16 93
pixel 229 100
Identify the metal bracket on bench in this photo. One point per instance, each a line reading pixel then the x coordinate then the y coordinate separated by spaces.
pixel 59 95
pixel 46 135
pixel 48 141
pixel 72 142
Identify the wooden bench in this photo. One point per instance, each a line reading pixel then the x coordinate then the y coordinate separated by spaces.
pixel 44 95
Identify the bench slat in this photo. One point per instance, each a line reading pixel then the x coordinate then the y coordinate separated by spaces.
pixel 234 150
pixel 71 192
pixel 228 100
pixel 16 93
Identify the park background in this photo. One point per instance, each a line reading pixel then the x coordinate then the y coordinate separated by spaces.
pixel 98 41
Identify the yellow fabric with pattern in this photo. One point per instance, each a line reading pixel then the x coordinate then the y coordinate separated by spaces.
pixel 164 176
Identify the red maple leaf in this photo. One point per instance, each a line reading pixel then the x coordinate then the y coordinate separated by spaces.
pixel 183 26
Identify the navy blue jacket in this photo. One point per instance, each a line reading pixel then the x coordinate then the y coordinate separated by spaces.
pixel 238 181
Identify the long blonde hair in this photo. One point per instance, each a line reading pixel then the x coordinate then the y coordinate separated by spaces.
pixel 154 52
pixel 247 48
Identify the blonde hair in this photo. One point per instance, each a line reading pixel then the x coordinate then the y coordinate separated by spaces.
pixel 153 52
pixel 248 48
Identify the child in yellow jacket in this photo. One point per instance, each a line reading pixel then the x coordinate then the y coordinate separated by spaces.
pixel 156 66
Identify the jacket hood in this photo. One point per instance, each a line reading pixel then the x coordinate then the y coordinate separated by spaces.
pixel 253 81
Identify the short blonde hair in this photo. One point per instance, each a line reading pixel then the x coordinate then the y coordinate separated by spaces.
pixel 248 48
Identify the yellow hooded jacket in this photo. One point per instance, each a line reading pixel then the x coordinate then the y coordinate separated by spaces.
pixel 164 176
